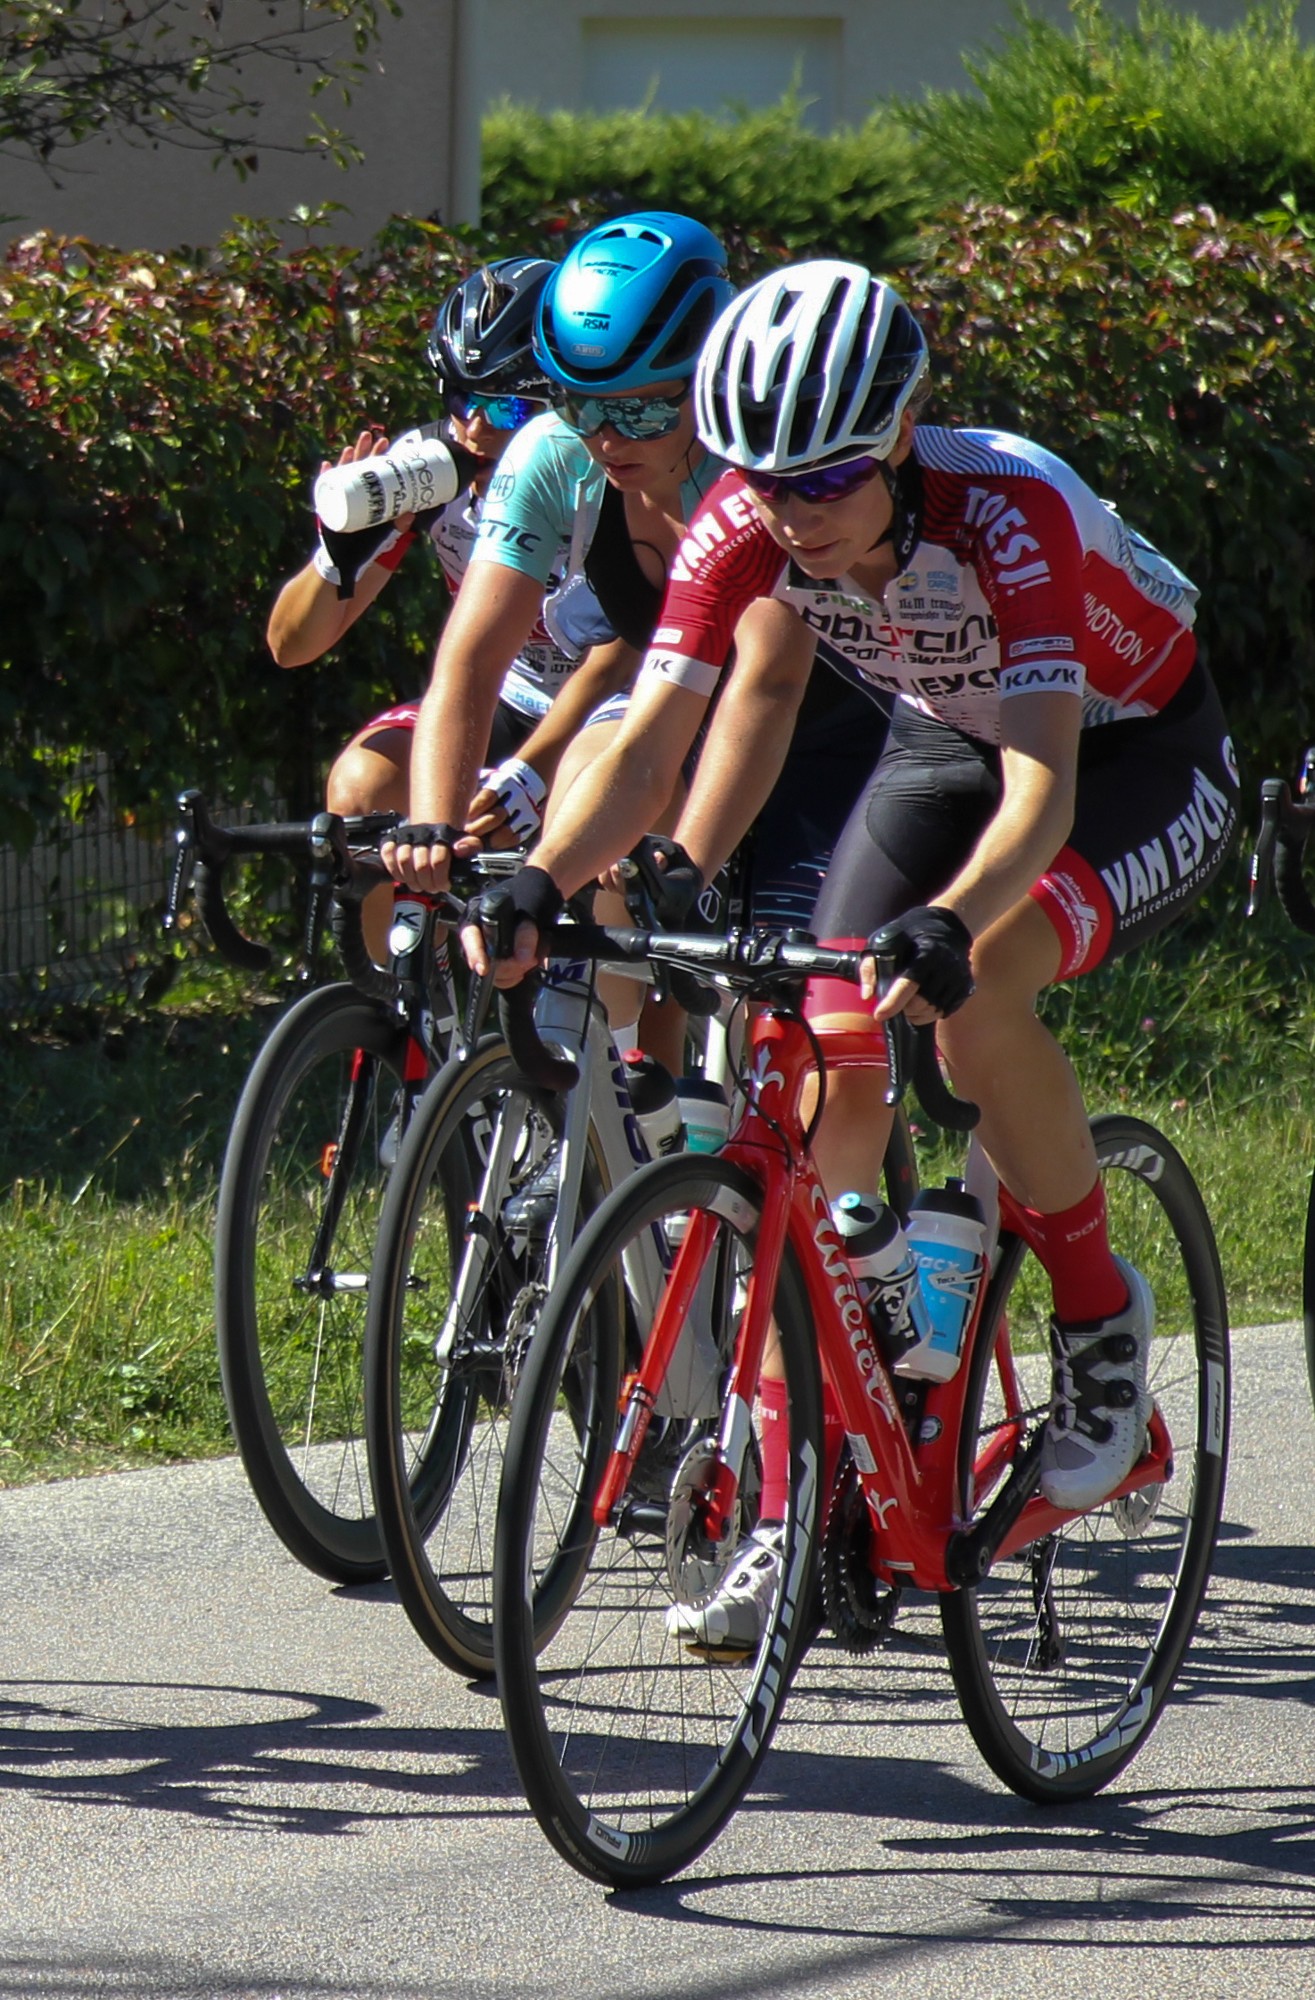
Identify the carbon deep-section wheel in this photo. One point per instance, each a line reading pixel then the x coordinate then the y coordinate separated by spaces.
pixel 637 1726
pixel 299 1203
pixel 470 1233
pixel 1064 1655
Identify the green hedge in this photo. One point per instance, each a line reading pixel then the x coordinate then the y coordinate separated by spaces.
pixel 1145 115
pixel 1061 117
pixel 760 174
pixel 162 416
pixel 1172 362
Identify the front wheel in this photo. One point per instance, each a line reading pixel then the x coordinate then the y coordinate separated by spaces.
pixel 636 1735
pixel 474 1224
pixel 299 1201
pixel 1064 1654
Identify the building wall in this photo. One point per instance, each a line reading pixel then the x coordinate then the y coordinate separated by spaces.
pixel 410 115
pixel 440 65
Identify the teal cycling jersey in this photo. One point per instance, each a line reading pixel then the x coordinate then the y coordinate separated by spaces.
pixel 545 502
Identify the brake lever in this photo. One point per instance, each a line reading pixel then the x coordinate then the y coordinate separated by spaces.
pixel 1274 795
pixel 180 879
pixel 478 1001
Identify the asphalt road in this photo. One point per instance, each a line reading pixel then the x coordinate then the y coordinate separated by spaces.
pixel 222 1778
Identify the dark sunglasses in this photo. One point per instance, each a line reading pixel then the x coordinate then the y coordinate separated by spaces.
pixel 828 482
pixel 505 413
pixel 628 416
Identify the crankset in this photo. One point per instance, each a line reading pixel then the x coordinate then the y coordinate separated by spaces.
pixel 859 1608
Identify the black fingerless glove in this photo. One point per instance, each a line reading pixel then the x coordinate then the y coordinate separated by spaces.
pixel 349 554
pixel 671 891
pixel 425 833
pixel 931 946
pixel 531 896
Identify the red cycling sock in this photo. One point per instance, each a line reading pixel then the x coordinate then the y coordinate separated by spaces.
pixel 776 1446
pixel 776 1449
pixel 1073 1244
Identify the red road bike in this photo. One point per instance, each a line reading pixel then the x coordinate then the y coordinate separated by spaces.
pixel 1064 1632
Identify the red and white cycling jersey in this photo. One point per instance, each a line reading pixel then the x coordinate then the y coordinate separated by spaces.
pixel 1022 581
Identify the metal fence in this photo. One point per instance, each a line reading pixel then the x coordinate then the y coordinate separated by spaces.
pixel 79 912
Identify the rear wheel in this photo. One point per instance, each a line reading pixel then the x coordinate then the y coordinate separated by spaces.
pixel 1064 1654
pixel 299 1201
pixel 1308 1287
pixel 635 1744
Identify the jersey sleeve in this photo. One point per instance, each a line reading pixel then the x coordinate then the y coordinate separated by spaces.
pixel 1028 554
pixel 725 561
pixel 530 507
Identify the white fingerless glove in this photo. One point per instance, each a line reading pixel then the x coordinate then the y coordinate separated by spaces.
pixel 520 791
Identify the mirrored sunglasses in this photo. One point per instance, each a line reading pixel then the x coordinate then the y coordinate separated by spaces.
pixel 828 482
pixel 505 413
pixel 628 416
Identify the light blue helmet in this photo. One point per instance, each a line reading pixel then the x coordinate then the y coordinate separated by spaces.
pixel 631 303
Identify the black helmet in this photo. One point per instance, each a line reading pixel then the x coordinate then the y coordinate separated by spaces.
pixel 480 339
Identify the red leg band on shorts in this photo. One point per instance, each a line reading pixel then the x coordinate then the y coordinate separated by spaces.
pixel 1081 915
pixel 835 996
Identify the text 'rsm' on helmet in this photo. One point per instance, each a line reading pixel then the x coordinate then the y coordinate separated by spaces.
pixel 814 362
pixel 481 339
pixel 632 303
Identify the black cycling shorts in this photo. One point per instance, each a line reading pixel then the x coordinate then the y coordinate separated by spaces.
pixel 1156 812
pixel 838 737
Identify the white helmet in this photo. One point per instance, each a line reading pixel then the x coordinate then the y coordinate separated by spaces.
pixel 812 363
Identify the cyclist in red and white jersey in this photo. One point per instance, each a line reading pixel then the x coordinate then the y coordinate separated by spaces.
pixel 1058 782
pixel 491 386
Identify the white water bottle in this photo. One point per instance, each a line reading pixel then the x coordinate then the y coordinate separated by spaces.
pixel 652 1092
pixel 884 1270
pixel 947 1235
pixel 414 474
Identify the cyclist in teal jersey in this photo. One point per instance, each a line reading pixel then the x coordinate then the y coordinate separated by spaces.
pixel 599 490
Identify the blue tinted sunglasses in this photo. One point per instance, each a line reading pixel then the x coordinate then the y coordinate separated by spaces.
pixel 826 482
pixel 628 416
pixel 505 413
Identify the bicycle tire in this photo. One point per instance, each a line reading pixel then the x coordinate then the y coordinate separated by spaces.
pixel 1308 1287
pixel 1064 1655
pixel 435 1428
pixel 303 1163
pixel 633 1748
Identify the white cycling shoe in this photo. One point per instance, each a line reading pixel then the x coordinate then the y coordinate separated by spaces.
pixel 734 1618
pixel 1100 1402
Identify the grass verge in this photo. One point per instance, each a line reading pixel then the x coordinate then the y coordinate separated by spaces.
pixel 110 1153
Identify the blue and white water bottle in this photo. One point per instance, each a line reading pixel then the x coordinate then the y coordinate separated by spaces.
pixel 947 1235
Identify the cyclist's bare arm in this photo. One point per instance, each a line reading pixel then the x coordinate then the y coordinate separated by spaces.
pixel 1039 736
pixel 604 671
pixel 308 615
pixel 492 618
pixel 750 732
pixel 623 793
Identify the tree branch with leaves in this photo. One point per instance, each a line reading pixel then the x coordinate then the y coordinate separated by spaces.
pixel 174 72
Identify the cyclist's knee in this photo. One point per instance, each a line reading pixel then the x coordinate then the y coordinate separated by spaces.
pixel 364 780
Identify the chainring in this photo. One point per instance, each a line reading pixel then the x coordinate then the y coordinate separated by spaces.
pixel 859 1608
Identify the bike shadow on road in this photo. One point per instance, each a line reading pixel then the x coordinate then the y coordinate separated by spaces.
pixel 1189 1866
pixel 284 1760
